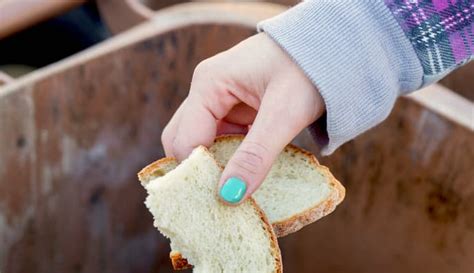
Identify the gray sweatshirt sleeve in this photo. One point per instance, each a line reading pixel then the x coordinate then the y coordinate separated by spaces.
pixel 356 54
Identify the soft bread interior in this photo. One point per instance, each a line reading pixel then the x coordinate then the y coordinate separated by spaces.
pixel 213 237
pixel 296 192
pixel 295 185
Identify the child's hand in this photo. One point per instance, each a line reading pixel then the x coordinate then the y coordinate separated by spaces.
pixel 254 83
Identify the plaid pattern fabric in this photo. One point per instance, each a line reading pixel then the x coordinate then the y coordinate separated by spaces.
pixel 441 31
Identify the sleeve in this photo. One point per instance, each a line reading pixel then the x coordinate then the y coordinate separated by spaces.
pixel 441 32
pixel 358 55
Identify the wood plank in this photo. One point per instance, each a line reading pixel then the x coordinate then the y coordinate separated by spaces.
pixel 408 205
pixel 121 15
pixel 73 136
pixel 447 103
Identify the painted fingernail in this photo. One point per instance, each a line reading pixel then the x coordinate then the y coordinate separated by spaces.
pixel 233 190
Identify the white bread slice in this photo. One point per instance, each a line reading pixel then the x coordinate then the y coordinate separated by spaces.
pixel 213 236
pixel 296 192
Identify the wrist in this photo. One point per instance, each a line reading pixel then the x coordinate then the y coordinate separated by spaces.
pixel 355 53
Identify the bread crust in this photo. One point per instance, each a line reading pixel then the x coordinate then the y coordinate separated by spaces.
pixel 280 228
pixel 150 171
pixel 177 260
pixel 273 238
pixel 304 218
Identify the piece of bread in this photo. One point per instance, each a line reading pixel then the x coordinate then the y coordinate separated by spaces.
pixel 297 191
pixel 214 237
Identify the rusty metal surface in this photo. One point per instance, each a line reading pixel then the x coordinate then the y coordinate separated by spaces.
pixel 72 142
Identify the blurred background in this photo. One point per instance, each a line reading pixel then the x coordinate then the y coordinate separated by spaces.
pixel 35 33
pixel 86 88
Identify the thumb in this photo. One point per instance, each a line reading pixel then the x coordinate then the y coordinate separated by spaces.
pixel 275 125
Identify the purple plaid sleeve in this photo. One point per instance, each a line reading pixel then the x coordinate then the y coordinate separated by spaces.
pixel 441 32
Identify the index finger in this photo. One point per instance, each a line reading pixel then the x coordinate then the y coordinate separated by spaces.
pixel 204 107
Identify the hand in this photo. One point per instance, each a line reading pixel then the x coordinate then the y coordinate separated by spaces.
pixel 252 88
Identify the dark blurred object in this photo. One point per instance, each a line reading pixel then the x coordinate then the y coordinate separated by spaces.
pixel 55 39
pixel 15 70
pixel 18 15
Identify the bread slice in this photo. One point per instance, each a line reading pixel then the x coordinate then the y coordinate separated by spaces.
pixel 297 191
pixel 214 237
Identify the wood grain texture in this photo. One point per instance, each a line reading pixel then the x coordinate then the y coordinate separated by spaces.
pixel 72 139
pixel 121 15
pixel 74 135
pixel 409 200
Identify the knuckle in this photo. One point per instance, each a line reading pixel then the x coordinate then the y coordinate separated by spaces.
pixel 204 77
pixel 177 149
pixel 251 158
pixel 203 69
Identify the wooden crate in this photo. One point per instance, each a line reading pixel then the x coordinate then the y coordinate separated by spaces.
pixel 74 135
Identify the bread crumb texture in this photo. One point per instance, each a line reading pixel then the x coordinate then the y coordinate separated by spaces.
pixel 213 237
pixel 293 184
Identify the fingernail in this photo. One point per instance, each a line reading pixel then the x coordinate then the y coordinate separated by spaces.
pixel 233 190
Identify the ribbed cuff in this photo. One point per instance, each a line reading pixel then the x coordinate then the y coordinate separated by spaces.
pixel 355 53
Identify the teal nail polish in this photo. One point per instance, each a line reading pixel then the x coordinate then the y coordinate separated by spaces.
pixel 233 190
